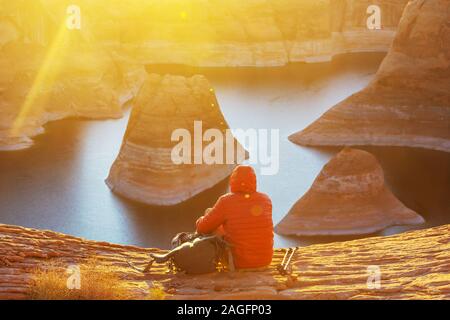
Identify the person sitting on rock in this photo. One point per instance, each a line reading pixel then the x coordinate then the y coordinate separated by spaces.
pixel 244 218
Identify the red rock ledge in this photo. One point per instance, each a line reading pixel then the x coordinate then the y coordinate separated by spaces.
pixel 414 265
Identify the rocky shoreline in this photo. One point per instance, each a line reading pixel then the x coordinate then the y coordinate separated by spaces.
pixel 413 265
pixel 408 102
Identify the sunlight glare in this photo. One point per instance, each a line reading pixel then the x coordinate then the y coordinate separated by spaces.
pixel 44 77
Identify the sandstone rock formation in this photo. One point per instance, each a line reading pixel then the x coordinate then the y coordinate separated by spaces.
pixel 329 28
pixel 233 32
pixel 408 103
pixel 145 170
pixel 30 99
pixel 49 72
pixel 347 197
pixel 253 33
pixel 413 265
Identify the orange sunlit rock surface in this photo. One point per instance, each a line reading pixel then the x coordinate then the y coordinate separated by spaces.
pixel 50 71
pixel 413 265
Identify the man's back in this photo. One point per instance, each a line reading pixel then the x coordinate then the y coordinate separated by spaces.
pixel 246 218
pixel 248 227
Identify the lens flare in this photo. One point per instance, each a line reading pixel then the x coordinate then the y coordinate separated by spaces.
pixel 45 76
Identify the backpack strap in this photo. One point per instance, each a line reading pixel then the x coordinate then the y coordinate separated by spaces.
pixel 161 258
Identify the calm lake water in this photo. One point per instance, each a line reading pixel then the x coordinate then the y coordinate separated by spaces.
pixel 58 184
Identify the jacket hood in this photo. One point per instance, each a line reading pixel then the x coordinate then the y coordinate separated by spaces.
pixel 243 180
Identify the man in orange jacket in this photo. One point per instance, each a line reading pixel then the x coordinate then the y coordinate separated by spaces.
pixel 244 217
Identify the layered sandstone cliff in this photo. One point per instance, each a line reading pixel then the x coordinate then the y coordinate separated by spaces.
pixel 408 102
pixel 171 112
pixel 30 98
pixel 253 33
pixel 412 265
pixel 349 196
pixel 233 32
pixel 49 72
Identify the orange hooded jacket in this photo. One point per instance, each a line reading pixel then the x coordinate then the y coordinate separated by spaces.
pixel 245 216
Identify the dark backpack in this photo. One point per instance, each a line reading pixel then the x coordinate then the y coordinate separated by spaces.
pixel 195 254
